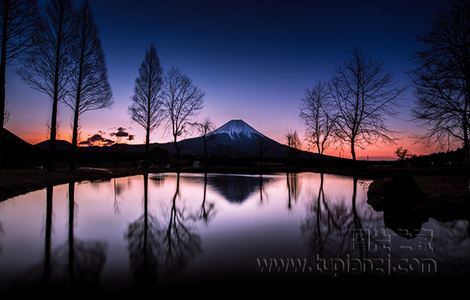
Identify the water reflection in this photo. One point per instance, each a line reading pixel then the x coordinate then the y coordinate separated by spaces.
pixel 82 261
pixel 143 243
pixel 237 188
pixel 180 243
pixel 334 228
pixel 207 208
pixel 158 229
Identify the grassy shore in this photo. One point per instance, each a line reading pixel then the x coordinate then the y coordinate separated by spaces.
pixel 19 181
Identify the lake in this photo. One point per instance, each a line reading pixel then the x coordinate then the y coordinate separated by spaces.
pixel 163 230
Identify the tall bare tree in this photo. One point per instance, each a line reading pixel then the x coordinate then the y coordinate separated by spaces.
pixel 204 128
pixel 48 68
pixel 145 108
pixel 182 100
pixel 318 116
pixel 90 89
pixel 442 78
pixel 19 21
pixel 364 95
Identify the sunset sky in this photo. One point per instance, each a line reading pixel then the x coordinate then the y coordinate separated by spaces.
pixel 253 60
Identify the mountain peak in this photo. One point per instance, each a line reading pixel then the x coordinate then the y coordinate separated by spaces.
pixel 237 128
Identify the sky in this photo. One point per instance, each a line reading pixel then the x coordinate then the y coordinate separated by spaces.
pixel 253 59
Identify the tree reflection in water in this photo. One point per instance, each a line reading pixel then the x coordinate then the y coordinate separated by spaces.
pixel 162 247
pixel 207 209
pixel 180 242
pixel 143 244
pixel 293 188
pixel 333 229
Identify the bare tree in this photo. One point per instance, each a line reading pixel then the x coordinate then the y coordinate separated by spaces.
pixel 182 100
pixel 145 108
pixel 89 82
pixel 19 22
pixel 48 68
pixel 318 116
pixel 364 94
pixel 204 128
pixel 293 140
pixel 403 153
pixel 442 79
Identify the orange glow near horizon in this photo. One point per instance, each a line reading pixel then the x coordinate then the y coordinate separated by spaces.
pixel 373 152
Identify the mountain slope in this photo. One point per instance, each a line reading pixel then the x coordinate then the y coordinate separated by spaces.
pixel 234 139
pixel 14 150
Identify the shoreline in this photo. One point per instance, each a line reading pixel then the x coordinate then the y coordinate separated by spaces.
pixel 15 182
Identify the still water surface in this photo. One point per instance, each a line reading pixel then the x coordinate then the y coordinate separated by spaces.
pixel 168 229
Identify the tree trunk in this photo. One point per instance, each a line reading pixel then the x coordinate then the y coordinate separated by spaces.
pixel 177 148
pixel 73 157
pixel 353 151
pixel 466 144
pixel 52 138
pixel 3 66
pixel 55 102
pixel 205 146
pixel 147 148
pixel 73 162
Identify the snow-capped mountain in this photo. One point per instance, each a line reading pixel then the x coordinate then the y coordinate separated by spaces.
pixel 233 139
pixel 237 129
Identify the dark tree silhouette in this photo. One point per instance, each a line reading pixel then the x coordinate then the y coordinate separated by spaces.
pixel 143 244
pixel 442 79
pixel 403 153
pixel 293 140
pixel 48 68
pixel 204 129
pixel 19 22
pixel 364 95
pixel 145 109
pixel 90 89
pixel 317 113
pixel 182 100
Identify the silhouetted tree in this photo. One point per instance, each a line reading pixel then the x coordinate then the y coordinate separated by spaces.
pixel 403 153
pixel 19 22
pixel 318 116
pixel 204 129
pixel 90 89
pixel 145 109
pixel 293 140
pixel 364 95
pixel 442 78
pixel 48 68
pixel 182 100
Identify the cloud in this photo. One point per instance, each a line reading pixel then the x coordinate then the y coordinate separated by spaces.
pixel 97 140
pixel 121 132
